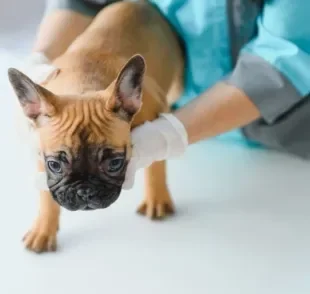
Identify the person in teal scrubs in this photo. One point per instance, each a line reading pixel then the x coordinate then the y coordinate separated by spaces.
pixel 247 70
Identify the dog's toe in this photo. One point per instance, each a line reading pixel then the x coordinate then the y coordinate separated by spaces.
pixel 42 237
pixel 40 242
pixel 154 210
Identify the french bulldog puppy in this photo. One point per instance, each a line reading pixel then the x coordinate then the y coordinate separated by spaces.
pixel 125 69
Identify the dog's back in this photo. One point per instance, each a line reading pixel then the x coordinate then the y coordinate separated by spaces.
pixel 118 32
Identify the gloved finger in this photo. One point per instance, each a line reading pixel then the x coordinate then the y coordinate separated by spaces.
pixel 128 183
pixel 41 181
pixel 130 176
pixel 41 72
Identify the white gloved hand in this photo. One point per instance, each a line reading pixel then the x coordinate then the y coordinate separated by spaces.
pixel 37 67
pixel 158 140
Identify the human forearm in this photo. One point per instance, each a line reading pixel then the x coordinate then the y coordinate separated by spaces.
pixel 218 110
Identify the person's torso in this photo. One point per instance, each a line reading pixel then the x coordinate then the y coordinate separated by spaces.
pixel 213 31
pixel 206 28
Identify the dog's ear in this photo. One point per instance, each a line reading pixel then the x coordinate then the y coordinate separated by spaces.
pixel 34 99
pixel 126 98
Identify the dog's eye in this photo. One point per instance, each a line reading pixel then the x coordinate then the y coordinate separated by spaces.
pixel 113 165
pixel 54 166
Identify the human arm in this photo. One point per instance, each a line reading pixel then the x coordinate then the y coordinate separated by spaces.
pixel 222 108
pixel 271 77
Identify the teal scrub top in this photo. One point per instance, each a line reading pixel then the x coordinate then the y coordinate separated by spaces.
pixel 283 40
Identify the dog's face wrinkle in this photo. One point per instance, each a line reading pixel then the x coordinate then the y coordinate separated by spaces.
pixel 83 170
pixel 91 146
pixel 77 117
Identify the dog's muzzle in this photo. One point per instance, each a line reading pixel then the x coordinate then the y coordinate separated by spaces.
pixel 85 197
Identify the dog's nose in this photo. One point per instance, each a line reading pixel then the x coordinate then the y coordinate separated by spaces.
pixel 85 192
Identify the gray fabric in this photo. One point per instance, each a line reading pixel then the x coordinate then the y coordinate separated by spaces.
pixel 289 134
pixel 285 122
pixel 285 114
pixel 267 88
pixel 85 7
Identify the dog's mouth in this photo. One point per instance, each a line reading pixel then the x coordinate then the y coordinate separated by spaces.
pixel 70 200
pixel 88 208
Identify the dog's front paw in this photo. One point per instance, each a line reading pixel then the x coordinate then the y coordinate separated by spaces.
pixel 42 237
pixel 156 206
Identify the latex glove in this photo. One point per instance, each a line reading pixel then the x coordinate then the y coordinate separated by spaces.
pixel 37 67
pixel 158 140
